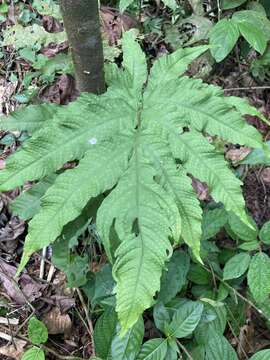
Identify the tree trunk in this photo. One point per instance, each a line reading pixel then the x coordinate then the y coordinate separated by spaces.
pixel 81 21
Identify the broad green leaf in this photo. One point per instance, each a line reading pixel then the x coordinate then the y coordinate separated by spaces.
pixel 174 278
pixel 214 319
pixel 259 276
pixel 240 229
pixel 196 154
pixel 128 347
pixel 219 348
pixel 74 187
pixel 236 266
pixel 104 332
pixel 154 349
pixel 231 4
pixel 37 331
pixel 213 221
pixel 265 233
pixel 168 67
pixel 123 4
pixel 261 355
pixel 30 118
pixel 134 61
pixel 185 319
pixel 199 275
pixel 27 204
pixel 161 316
pixel 223 38
pixel 171 4
pixel 34 353
pixel 254 27
pixel 249 246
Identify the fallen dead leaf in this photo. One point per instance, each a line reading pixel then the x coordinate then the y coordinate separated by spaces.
pixel 236 155
pixel 9 234
pixel 14 352
pixel 265 175
pixel 56 322
pixel 201 189
pixel 62 92
pixel 27 286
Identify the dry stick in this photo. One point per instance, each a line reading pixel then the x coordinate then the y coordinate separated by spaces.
pixel 248 88
pixel 90 325
pixel 42 262
pixel 182 347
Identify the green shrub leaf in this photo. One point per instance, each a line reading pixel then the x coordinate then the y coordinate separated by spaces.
pixel 265 233
pixel 261 355
pixel 34 353
pixel 219 348
pixel 154 349
pixel 255 28
pixel 259 277
pixel 37 331
pixel 223 37
pixel 185 319
pixel 236 266
pixel 174 278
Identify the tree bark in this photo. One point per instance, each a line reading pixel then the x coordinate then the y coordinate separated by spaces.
pixel 81 21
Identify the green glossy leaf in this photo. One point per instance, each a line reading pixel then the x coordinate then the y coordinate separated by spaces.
pixel 185 319
pixel 198 275
pixel 265 233
pixel 259 276
pixel 173 280
pixel 124 4
pixel 34 354
pixel 254 27
pixel 37 331
pixel 27 204
pixel 249 246
pixel 161 316
pixel 240 229
pixel 219 348
pixel 154 349
pixel 223 38
pixel 170 3
pixel 213 221
pixel 236 266
pixel 128 347
pixel 231 4
pixel 104 332
pixel 261 355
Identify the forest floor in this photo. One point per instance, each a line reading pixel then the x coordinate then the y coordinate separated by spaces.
pixel 26 76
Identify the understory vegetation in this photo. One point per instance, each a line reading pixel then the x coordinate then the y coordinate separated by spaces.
pixel 135 224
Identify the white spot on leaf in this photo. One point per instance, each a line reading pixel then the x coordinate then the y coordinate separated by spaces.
pixel 92 141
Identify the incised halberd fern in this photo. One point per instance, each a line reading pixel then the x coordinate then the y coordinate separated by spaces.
pixel 140 140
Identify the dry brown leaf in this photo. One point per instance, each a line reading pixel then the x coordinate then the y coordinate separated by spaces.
pixel 236 155
pixel 265 175
pixel 30 288
pixel 201 189
pixel 11 351
pixel 56 322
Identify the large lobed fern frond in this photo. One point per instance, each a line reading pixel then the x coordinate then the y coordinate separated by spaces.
pixel 140 141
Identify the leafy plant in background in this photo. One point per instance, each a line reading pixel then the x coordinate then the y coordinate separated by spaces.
pixel 138 141
pixel 251 24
